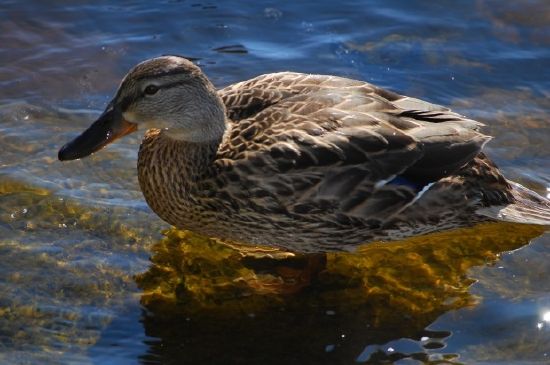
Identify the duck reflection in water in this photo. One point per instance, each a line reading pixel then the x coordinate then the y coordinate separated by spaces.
pixel 203 294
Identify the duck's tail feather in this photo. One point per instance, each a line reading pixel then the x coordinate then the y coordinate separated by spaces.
pixel 529 208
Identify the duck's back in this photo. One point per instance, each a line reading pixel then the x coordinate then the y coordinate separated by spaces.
pixel 353 119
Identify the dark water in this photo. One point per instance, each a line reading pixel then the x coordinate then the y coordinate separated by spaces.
pixel 86 275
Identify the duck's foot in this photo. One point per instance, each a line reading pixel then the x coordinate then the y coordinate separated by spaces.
pixel 285 276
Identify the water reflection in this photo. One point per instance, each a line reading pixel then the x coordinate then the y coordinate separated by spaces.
pixel 374 305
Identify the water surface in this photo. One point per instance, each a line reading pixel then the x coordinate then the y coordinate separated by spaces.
pixel 87 275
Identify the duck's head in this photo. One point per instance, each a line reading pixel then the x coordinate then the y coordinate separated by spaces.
pixel 169 93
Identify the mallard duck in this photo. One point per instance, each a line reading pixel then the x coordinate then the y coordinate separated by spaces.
pixel 308 163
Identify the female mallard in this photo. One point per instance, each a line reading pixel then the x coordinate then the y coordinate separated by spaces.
pixel 308 163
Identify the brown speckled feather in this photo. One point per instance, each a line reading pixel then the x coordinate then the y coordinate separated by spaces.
pixel 334 140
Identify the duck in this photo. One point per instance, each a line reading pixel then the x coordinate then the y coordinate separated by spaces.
pixel 302 162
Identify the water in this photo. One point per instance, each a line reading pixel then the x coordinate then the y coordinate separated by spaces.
pixel 86 275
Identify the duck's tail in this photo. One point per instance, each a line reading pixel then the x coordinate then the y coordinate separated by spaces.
pixel 529 208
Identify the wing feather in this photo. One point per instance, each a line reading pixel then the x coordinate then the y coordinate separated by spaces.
pixel 325 143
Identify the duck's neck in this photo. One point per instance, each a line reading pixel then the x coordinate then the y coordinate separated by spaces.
pixel 169 167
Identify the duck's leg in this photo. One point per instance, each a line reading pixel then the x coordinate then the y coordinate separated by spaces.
pixel 288 275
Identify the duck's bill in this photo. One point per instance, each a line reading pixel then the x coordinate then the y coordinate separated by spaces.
pixel 109 127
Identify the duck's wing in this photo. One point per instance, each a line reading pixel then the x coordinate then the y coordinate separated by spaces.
pixel 323 143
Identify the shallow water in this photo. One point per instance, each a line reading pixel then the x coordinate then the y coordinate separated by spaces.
pixel 86 275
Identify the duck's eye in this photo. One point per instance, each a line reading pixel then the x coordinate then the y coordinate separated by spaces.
pixel 151 89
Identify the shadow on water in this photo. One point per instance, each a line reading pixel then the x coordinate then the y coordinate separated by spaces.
pixel 208 302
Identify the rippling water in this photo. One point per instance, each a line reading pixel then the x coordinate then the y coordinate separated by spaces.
pixel 86 276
